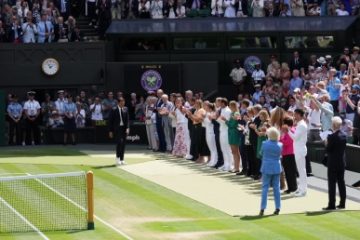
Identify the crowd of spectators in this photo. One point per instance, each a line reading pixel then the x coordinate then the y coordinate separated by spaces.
pixel 158 9
pixel 322 85
pixel 39 21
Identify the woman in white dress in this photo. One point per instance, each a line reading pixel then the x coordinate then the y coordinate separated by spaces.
pixel 182 137
pixel 257 7
pixel 210 134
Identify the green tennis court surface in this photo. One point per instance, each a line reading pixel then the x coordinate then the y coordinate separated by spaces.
pixel 128 206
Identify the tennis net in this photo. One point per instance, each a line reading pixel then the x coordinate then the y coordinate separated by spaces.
pixel 46 202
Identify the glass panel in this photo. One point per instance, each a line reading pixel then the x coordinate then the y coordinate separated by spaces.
pixel 143 44
pixel 309 42
pixel 252 42
pixel 191 43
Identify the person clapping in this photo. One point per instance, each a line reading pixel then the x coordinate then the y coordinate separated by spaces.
pixel 271 168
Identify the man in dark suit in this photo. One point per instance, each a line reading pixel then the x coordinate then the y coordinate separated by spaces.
pixel 119 128
pixel 335 149
pixel 297 62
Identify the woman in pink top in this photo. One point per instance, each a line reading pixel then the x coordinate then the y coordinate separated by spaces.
pixel 288 157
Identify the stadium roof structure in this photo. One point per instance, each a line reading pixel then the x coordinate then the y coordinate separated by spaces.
pixel 231 25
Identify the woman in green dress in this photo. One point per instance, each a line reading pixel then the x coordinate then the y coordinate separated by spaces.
pixel 261 130
pixel 234 134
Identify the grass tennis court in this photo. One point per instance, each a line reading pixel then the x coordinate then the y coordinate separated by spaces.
pixel 125 203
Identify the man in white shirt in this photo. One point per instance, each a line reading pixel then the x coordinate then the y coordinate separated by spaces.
pixel 32 112
pixel 224 139
pixel 258 75
pixel 60 103
pixel 314 120
pixel 238 75
pixel 300 138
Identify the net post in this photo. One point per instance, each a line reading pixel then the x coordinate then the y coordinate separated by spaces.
pixel 90 199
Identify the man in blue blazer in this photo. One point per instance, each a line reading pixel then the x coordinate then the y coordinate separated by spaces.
pixel 45 29
pixel 335 149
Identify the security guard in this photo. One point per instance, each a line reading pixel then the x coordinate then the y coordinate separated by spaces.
pixel 32 112
pixel 14 110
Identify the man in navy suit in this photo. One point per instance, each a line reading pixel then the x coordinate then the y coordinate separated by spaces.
pixel 335 149
pixel 119 128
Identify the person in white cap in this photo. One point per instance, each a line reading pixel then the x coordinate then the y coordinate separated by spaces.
pixel 32 112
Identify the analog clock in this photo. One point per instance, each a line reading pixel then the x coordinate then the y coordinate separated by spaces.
pixel 50 66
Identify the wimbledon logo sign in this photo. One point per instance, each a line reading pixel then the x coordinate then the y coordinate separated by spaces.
pixel 151 80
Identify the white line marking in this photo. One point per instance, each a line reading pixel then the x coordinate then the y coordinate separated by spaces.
pixel 24 219
pixel 82 208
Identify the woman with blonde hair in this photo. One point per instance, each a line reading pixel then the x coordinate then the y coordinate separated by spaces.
pixel 234 134
pixel 210 134
pixel 182 133
pixel 271 169
pixel 285 73
pixel 200 150
pixel 261 130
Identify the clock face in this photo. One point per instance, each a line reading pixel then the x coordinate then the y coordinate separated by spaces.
pixel 50 66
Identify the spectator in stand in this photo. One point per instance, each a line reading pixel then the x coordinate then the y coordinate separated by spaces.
pixel 229 8
pixel 53 13
pixel 258 74
pixel 96 111
pixel 60 31
pixel 156 9
pixel 238 75
pixel 144 9
pixel 297 62
pixel 117 9
pixel 14 111
pixel 108 104
pixel 297 8
pixel 60 103
pixel 132 9
pixel 257 7
pixel 45 29
pixel 352 99
pixel 63 7
pixel 15 32
pixel 296 81
pixel 271 10
pixel 22 11
pixel 217 8
pixel 69 120
pixel 284 10
pixel 3 35
pixel 333 87
pixel 29 29
pixel 55 120
pixel 341 11
pixel 36 12
pixel 80 116
pixel 46 108
pixel 355 56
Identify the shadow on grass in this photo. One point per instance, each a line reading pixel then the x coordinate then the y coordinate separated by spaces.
pixel 104 166
pixel 317 213
pixel 40 151
pixel 255 217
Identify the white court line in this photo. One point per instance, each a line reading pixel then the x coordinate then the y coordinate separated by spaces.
pixel 82 208
pixel 24 219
